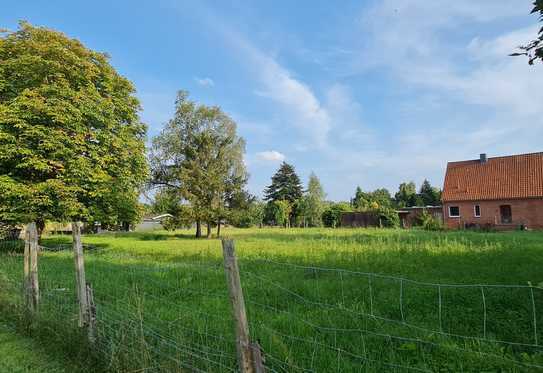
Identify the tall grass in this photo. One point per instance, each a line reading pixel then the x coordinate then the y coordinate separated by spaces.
pixel 162 302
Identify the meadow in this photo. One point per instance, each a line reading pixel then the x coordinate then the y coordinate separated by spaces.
pixel 326 300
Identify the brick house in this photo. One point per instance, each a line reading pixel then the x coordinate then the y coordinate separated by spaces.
pixel 501 192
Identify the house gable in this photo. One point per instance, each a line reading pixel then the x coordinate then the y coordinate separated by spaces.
pixel 510 177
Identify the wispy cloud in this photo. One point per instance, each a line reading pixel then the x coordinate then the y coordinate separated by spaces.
pixel 270 156
pixel 303 110
pixel 486 99
pixel 205 82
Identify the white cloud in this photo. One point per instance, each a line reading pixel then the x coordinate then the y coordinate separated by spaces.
pixel 416 41
pixel 270 156
pixel 205 82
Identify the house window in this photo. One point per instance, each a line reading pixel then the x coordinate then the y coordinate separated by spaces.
pixel 454 211
pixel 477 209
pixel 506 214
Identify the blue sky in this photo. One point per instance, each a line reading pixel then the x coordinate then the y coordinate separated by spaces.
pixel 368 93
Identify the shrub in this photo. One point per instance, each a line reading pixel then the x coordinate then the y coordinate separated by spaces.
pixel 331 217
pixel 428 222
pixel 389 217
pixel 250 216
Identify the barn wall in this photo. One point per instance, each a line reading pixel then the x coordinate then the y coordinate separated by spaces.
pixel 359 219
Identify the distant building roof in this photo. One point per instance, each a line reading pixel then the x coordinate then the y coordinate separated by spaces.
pixel 407 210
pixel 157 217
pixel 510 177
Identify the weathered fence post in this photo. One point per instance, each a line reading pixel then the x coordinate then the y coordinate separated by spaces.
pixel 245 349
pixel 258 358
pixel 80 281
pixel 30 268
pixel 26 270
pixel 91 327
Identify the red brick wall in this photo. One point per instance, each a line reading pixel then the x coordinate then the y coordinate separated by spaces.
pixel 524 211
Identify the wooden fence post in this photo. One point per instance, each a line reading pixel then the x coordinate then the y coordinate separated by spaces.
pixel 26 270
pixel 246 357
pixel 80 281
pixel 91 327
pixel 258 358
pixel 32 288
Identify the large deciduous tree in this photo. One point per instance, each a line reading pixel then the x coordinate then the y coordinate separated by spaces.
pixel 71 143
pixel 199 155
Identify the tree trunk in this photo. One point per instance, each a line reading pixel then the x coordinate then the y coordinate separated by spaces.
pixel 208 235
pixel 40 226
pixel 219 228
pixel 198 228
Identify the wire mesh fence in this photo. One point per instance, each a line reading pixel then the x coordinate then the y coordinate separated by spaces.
pixel 356 319
pixel 178 317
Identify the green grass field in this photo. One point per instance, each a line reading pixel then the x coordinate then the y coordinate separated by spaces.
pixel 162 302
pixel 23 355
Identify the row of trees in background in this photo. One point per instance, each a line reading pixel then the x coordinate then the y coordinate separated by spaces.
pixel 287 204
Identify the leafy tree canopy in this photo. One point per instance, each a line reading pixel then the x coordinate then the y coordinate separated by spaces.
pixel 363 201
pixel 406 195
pixel 282 210
pixel 71 143
pixel 382 197
pixel 199 155
pixel 430 196
pixel 311 205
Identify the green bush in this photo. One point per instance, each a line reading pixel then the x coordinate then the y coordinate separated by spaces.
pixel 427 222
pixel 331 217
pixel 249 217
pixel 170 224
pixel 389 217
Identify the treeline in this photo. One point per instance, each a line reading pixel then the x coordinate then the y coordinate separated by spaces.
pixel 287 203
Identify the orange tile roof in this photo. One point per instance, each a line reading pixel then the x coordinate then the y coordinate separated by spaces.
pixel 516 176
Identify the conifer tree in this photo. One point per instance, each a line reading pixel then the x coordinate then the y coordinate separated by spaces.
pixel 430 196
pixel 285 186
